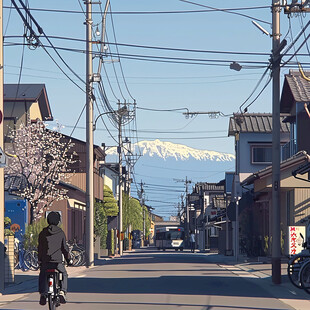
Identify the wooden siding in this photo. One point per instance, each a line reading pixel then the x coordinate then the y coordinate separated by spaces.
pixel 61 206
pixel 301 204
pixel 79 180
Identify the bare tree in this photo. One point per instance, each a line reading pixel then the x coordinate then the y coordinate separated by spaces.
pixel 41 158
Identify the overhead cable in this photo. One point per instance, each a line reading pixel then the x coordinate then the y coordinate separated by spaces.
pixel 144 12
pixel 227 11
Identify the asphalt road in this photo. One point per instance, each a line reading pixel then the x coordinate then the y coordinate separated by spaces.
pixel 152 280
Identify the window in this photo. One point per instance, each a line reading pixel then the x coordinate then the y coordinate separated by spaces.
pixel 261 154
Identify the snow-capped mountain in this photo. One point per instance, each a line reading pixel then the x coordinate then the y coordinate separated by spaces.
pixel 165 150
pixel 164 167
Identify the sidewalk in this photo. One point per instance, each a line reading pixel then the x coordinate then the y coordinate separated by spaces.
pixel 251 270
pixel 296 298
pixel 27 282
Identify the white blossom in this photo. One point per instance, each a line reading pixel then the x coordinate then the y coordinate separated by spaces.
pixel 42 160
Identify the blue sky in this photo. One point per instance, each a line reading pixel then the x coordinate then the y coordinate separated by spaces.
pixel 154 85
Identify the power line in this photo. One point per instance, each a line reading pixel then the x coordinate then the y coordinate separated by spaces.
pixel 144 12
pixel 121 67
pixel 226 11
pixel 152 57
pixel 172 60
pixel 162 110
pixel 165 168
pixel 145 77
pixel 186 138
pixel 158 47
pixel 255 88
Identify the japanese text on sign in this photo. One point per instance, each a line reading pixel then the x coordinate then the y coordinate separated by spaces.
pixel 295 239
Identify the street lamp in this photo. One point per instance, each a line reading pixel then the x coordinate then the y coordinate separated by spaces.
pixel 120 112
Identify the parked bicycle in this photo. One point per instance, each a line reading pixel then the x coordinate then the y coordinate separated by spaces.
pixel 77 253
pixel 25 259
pixel 304 276
pixel 295 264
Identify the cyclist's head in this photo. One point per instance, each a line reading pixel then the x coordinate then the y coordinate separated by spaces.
pixel 53 218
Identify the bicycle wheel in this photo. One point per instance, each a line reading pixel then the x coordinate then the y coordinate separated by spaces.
pixel 24 266
pixel 294 267
pixel 81 249
pixel 16 260
pixel 31 259
pixel 51 302
pixel 76 257
pixel 305 277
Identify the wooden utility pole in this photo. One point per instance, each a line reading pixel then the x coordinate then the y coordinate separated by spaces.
pixel 89 140
pixel 2 147
pixel 141 198
pixel 120 183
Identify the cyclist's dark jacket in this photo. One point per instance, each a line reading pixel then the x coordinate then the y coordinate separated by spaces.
pixel 52 244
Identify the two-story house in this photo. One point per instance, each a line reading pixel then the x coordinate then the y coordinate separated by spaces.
pixel 23 104
pixel 27 103
pixel 294 167
pixel 73 209
pixel 253 149
pixel 207 210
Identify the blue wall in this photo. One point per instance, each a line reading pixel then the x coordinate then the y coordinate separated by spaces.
pixel 17 211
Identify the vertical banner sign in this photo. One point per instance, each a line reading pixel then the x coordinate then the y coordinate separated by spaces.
pixel 295 239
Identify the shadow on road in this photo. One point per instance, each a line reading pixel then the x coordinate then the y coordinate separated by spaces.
pixel 155 258
pixel 175 285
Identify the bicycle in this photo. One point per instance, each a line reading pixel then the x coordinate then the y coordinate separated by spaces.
pixel 296 263
pixel 20 261
pixel 304 276
pixel 53 277
pixel 77 253
pixel 31 259
pixel 25 259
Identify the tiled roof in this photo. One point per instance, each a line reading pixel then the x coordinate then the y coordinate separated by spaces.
pixel 255 123
pixel 29 92
pixel 14 183
pixel 204 186
pixel 295 89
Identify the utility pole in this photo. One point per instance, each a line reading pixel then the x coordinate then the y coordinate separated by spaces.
pixel 182 208
pixel 186 224
pixel 276 234
pixel 2 147
pixel 120 181
pixel 187 209
pixel 89 140
pixel 141 198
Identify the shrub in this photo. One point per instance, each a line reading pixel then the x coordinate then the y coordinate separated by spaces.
pixel 31 236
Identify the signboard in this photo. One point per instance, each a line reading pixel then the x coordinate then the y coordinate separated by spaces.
pixel 295 239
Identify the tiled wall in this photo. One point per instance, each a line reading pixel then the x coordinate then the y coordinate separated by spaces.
pixel 9 273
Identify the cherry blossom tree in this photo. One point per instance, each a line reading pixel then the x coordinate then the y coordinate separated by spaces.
pixel 41 158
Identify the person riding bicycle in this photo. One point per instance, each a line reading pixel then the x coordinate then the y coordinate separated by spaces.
pixel 52 247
